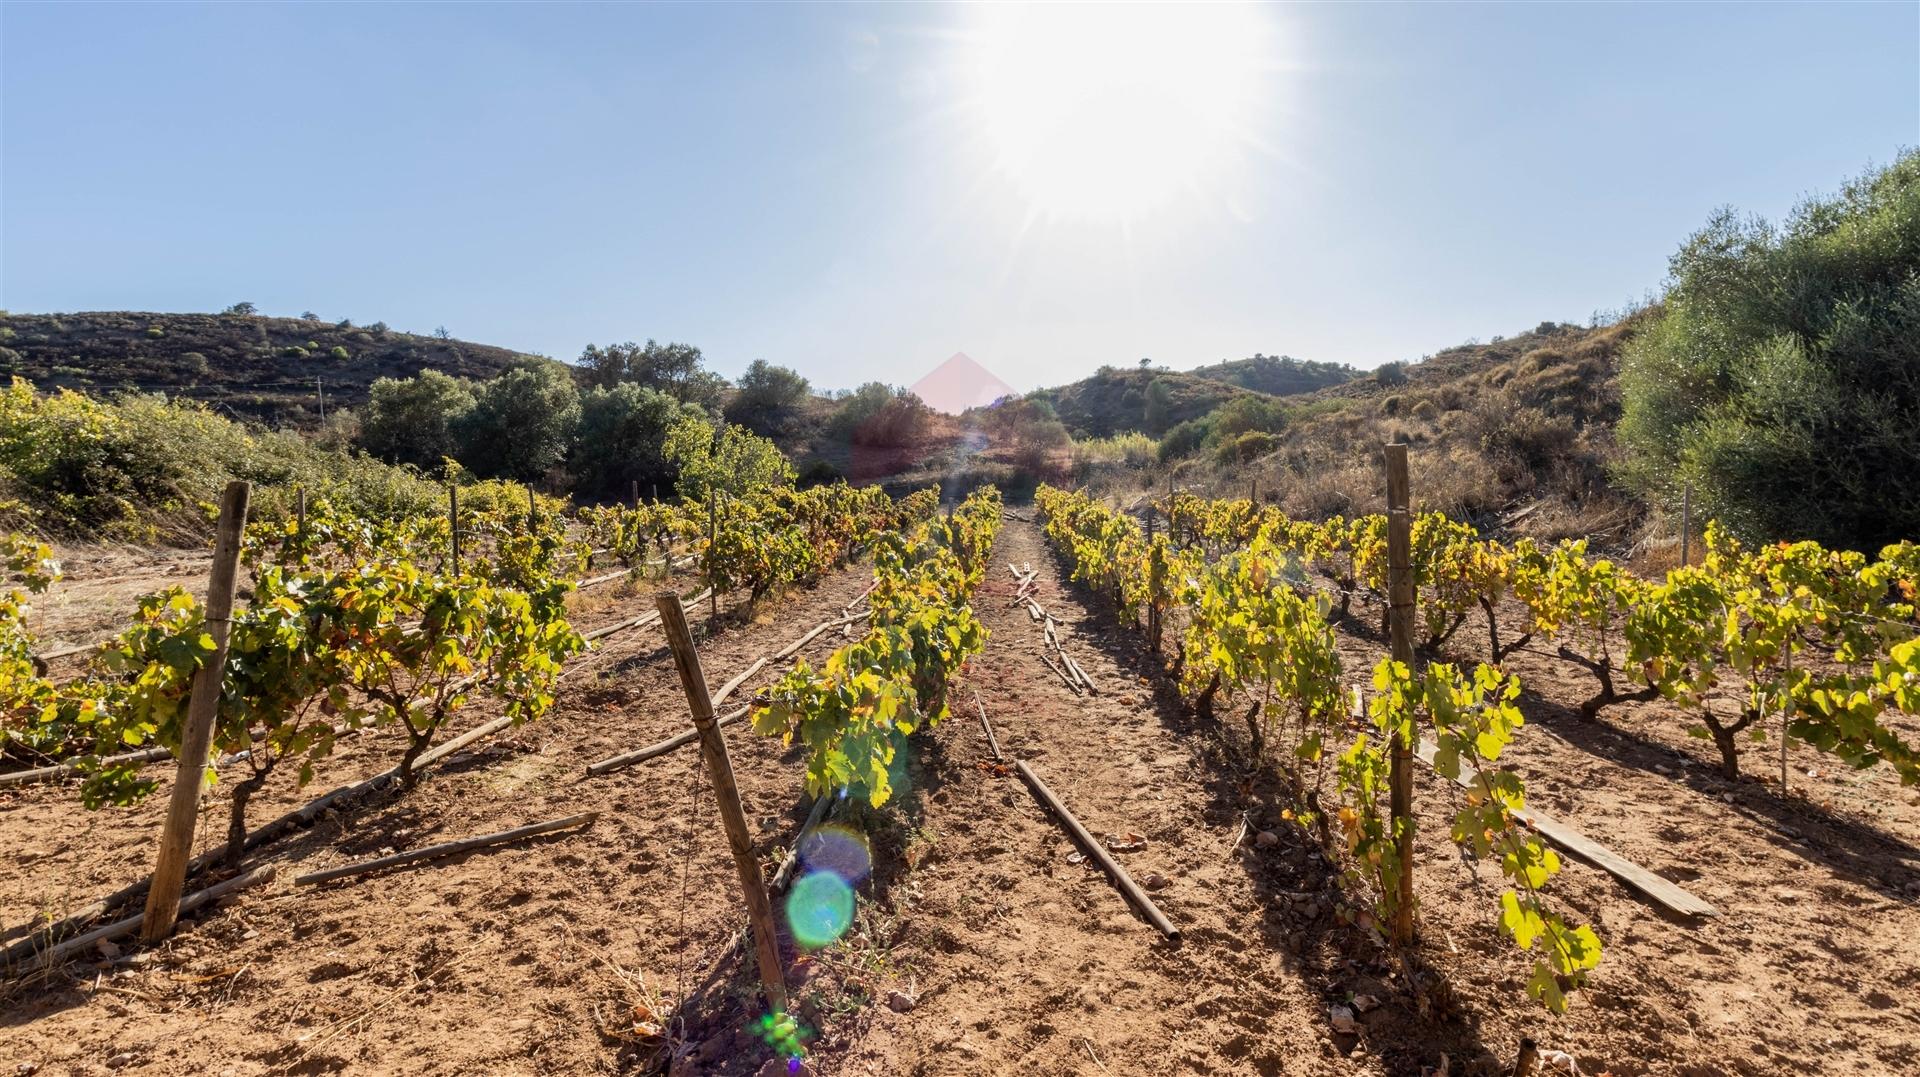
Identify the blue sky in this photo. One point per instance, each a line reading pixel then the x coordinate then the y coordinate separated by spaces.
pixel 860 191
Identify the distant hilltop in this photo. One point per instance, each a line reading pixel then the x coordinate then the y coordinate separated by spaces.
pixel 271 369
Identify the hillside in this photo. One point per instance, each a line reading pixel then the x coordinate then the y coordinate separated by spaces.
pixel 1278 375
pixel 256 367
pixel 1519 428
pixel 1114 400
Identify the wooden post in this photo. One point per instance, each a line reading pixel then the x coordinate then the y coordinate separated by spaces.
pixel 713 534
pixel 533 508
pixel 1686 524
pixel 300 510
pixel 1253 491
pixel 713 748
pixel 453 519
pixel 1400 599
pixel 636 493
pixel 176 835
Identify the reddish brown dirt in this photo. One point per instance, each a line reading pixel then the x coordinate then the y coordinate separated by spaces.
pixel 541 957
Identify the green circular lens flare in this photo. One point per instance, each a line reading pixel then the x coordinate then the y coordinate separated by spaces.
pixel 819 909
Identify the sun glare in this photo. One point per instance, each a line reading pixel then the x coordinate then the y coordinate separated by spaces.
pixel 1110 112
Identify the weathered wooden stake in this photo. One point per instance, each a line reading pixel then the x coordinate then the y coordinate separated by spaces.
pixel 1400 598
pixel 453 519
pixel 533 508
pixel 713 535
pixel 1686 524
pixel 176 835
pixel 300 509
pixel 713 748
pixel 636 493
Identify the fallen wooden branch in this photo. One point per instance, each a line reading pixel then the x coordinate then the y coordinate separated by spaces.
pixel 61 770
pixel 1074 667
pixel 992 742
pixel 447 848
pixel 57 954
pixel 792 859
pixel 1063 675
pixel 654 751
pixel 1098 852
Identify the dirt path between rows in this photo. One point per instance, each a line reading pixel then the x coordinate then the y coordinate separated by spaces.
pixel 1024 961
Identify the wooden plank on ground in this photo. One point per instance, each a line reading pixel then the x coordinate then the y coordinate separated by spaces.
pixel 1661 891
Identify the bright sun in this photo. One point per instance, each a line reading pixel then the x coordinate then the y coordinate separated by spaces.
pixel 1111 112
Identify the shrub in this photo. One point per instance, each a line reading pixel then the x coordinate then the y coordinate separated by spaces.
pixel 767 397
pixel 1394 373
pixel 1780 378
pixel 880 415
pixel 241 309
pixel 1247 447
pixel 339 352
pixel 818 472
pixel 622 440
pixel 143 467
pixel 1185 439
pixel 1121 450
pixel 413 420
pixel 155 332
pixel 522 422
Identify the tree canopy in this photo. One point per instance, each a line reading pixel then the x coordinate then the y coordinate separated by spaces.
pixel 1782 379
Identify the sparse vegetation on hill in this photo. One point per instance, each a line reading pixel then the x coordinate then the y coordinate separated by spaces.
pixel 261 368
pixel 1143 399
pixel 1279 375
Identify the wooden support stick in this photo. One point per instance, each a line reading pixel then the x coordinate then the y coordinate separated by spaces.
pixel 713 531
pixel 713 747
pixel 792 859
pixel 183 810
pixel 1098 852
pixel 641 621
pixel 1063 675
pixel 55 955
pixel 1080 673
pixel 654 751
pixel 1400 595
pixel 453 522
pixel 445 848
pixel 992 742
pixel 1527 1059
pixel 61 770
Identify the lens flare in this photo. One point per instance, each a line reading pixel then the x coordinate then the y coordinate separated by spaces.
pixel 838 849
pixel 819 909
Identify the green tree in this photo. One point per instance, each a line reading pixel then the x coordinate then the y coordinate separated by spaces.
pixel 522 422
pixel 242 309
pixel 674 369
pixel 622 439
pixel 1159 409
pixel 729 458
pixel 767 398
pixel 878 414
pixel 1782 377
pixel 414 420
